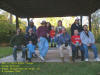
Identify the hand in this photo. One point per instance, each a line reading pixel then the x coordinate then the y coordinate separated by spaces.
pixel 15 46
pixel 47 35
pixel 89 44
pixel 38 39
pixel 80 44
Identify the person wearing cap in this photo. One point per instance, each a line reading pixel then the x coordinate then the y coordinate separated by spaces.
pixel 64 42
pixel 31 42
pixel 88 40
pixel 42 34
pixel 31 25
pixel 75 26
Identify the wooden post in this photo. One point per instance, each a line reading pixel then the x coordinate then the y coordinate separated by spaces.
pixel 81 17
pixel 28 21
pixel 90 27
pixel 17 22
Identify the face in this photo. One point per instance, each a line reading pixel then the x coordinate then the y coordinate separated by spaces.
pixel 31 23
pixel 85 28
pixel 48 24
pixel 59 23
pixel 52 28
pixel 76 21
pixel 75 32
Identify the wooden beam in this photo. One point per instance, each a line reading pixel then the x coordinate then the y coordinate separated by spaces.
pixel 90 27
pixel 17 22
pixel 81 17
pixel 28 20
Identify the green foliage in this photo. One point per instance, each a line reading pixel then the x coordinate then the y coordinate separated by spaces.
pixel 6 31
pixel 96 25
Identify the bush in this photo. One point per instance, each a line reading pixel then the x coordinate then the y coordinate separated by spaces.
pixel 6 31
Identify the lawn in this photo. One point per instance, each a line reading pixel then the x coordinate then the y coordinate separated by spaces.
pixel 5 51
pixel 84 68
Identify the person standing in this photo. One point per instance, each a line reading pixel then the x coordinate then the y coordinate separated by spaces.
pixel 52 36
pixel 31 25
pixel 43 45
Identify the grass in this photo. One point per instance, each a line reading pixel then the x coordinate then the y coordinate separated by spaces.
pixel 5 51
pixel 83 68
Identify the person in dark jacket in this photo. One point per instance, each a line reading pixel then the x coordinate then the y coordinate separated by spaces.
pixel 18 42
pixel 42 33
pixel 31 41
pixel 76 26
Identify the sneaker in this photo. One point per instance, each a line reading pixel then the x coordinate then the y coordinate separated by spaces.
pixel 34 55
pixel 86 59
pixel 41 58
pixel 97 59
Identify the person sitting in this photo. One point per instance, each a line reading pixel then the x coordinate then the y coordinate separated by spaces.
pixel 64 42
pixel 88 40
pixel 52 36
pixel 76 43
pixel 43 45
pixel 31 41
pixel 18 42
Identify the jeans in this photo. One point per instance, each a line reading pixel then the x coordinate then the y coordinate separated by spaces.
pixel 15 51
pixel 43 46
pixel 93 46
pixel 74 51
pixel 62 48
pixel 53 40
pixel 31 50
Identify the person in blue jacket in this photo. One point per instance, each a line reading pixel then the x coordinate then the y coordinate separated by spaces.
pixel 64 43
pixel 88 40
pixel 31 25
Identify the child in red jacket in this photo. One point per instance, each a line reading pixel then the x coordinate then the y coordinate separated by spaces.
pixel 52 36
pixel 76 43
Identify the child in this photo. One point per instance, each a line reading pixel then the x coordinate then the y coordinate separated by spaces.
pixel 76 43
pixel 52 35
pixel 31 50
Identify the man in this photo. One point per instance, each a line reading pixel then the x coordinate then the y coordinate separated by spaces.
pixel 42 33
pixel 18 42
pixel 75 26
pixel 64 43
pixel 88 40
pixel 31 25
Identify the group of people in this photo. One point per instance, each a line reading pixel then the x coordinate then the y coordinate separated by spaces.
pixel 81 38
